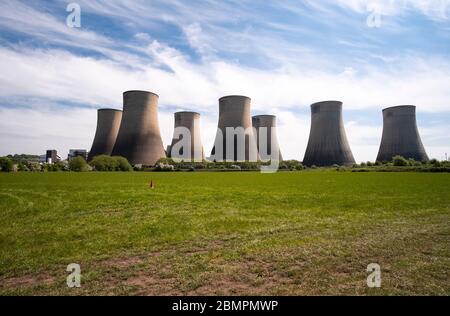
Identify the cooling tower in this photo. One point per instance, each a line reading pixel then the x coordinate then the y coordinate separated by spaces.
pixel 270 122
pixel 139 139
pixel 234 113
pixel 400 135
pixel 189 122
pixel 328 143
pixel 108 124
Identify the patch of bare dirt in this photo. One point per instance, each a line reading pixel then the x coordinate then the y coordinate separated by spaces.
pixel 25 281
pixel 122 262
pixel 243 278
pixel 151 284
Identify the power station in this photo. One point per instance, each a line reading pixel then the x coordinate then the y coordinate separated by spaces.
pixel 235 139
pixel 401 135
pixel 187 123
pixel 269 122
pixel 134 133
pixel 108 124
pixel 328 144
pixel 139 138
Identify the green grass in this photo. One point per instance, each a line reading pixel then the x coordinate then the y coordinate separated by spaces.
pixel 225 233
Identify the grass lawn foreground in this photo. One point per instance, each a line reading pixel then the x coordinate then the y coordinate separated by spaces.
pixel 290 233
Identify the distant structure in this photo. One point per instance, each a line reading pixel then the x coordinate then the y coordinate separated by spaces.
pixel 77 153
pixel 139 139
pixel 400 135
pixel 234 112
pixel 270 122
pixel 108 124
pixel 52 156
pixel 168 149
pixel 328 144
pixel 191 122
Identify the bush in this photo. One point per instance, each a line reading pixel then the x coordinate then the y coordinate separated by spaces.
pixel 103 163
pixel 23 167
pixel 164 167
pixel 292 164
pixel 435 163
pixel 122 164
pixel 108 163
pixel 59 166
pixel 34 167
pixel 78 164
pixel 6 165
pixel 62 166
pixel 399 161
pixel 166 161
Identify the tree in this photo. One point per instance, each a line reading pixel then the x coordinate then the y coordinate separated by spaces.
pixel 34 167
pixel 23 167
pixel 78 164
pixel 6 164
pixel 108 163
pixel 414 163
pixel 103 163
pixel 435 163
pixel 122 164
pixel 291 165
pixel 167 161
pixel 399 161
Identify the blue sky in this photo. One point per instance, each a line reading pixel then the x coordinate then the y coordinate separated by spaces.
pixel 285 55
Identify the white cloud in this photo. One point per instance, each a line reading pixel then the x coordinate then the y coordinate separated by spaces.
pixel 198 40
pixel 434 9
pixel 60 75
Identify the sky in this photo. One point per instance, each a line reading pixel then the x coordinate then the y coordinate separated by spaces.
pixel 283 54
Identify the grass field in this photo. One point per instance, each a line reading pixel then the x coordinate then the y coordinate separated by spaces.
pixel 225 233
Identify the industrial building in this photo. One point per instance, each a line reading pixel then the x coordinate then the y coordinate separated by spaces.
pixel 238 143
pixel 139 138
pixel 52 156
pixel 328 144
pixel 401 135
pixel 187 122
pixel 108 124
pixel 269 122
pixel 77 153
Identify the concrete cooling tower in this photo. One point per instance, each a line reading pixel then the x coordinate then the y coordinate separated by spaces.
pixel 139 139
pixel 234 112
pixel 400 135
pixel 189 122
pixel 270 122
pixel 328 143
pixel 108 124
